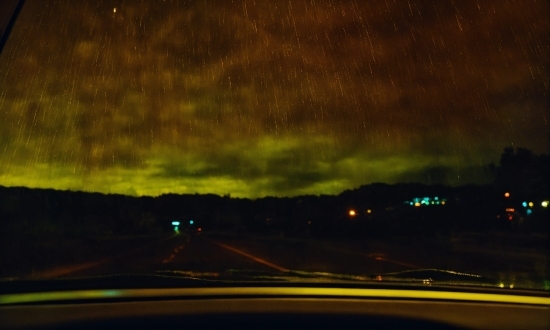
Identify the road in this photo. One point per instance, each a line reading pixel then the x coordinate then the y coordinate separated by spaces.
pixel 213 254
pixel 216 253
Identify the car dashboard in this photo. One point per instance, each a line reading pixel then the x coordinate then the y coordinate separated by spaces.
pixel 274 308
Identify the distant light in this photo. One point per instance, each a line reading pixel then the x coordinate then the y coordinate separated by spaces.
pixel 176 229
pixel 369 211
pixel 510 217
pixel 529 211
pixel 506 194
pixel 416 204
pixel 531 204
pixel 436 198
pixel 191 222
pixel 544 204
pixel 524 204
pixel 501 285
pixel 426 198
pixel 442 202
pixel 114 10
pixel 199 229
pixel 411 203
pixel 352 213
pixel 175 223
pixel 309 222
pixel 510 209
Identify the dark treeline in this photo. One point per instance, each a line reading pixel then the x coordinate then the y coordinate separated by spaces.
pixel 375 210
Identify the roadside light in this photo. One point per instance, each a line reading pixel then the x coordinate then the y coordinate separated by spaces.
pixel 531 204
pixel 506 194
pixel 442 202
pixel 191 222
pixel 352 213
pixel 544 204
pixel 369 211
pixel 524 204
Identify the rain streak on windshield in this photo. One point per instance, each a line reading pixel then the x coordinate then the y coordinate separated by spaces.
pixel 344 137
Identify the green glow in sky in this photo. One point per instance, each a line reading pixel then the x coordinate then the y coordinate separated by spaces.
pixel 268 98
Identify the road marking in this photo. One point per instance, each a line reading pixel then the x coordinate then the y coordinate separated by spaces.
pixel 258 260
pixel 176 251
pixel 398 263
pixel 59 271
pixel 64 270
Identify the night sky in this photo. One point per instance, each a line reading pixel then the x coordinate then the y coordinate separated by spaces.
pixel 278 98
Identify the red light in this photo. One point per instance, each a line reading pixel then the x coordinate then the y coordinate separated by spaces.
pixel 510 218
pixel 199 229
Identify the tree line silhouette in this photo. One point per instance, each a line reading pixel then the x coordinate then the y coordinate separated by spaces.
pixel 379 210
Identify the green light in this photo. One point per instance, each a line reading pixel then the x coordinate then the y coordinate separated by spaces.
pixel 175 223
pixel 176 229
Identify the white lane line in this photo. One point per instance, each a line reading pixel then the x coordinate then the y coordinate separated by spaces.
pixel 173 255
pixel 398 263
pixel 258 260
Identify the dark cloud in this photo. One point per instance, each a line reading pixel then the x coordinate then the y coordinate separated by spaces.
pixel 269 97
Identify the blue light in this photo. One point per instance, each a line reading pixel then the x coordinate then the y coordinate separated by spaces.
pixel 524 204
pixel 175 223
pixel 191 222
pixel 411 203
pixel 529 211
pixel 436 198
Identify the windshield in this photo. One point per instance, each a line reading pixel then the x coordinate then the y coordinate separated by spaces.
pixel 333 140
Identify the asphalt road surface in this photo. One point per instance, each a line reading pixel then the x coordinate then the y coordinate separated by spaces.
pixel 214 254
pixel 217 253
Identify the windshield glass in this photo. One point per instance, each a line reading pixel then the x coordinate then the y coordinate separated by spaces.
pixel 355 140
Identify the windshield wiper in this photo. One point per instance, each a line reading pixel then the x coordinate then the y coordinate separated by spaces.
pixel 409 277
pixel 438 276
